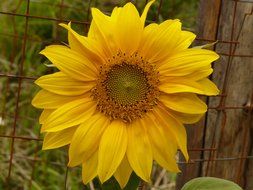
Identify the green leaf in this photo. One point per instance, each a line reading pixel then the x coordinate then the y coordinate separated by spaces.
pixel 206 45
pixel 210 183
pixel 112 184
pixel 133 182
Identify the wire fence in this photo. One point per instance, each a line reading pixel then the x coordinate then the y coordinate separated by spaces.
pixel 228 126
pixel 21 158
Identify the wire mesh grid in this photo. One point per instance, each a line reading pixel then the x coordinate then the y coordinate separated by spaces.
pixel 20 67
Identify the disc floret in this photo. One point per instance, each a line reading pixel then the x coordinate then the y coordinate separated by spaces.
pixel 127 87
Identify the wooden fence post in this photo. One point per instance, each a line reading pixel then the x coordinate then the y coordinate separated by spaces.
pixel 228 125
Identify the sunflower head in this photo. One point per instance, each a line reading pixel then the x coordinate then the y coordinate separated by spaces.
pixel 123 93
pixel 127 87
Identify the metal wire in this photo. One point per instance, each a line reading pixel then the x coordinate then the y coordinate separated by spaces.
pixel 21 79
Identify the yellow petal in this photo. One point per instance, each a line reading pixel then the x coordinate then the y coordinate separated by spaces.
pixel 199 74
pixel 70 62
pixel 186 39
pixel 172 127
pixel 44 115
pixel 208 87
pixel 115 13
pixel 89 168
pixel 193 76
pixel 185 117
pixel 159 41
pixel 70 114
pixel 184 102
pixel 139 151
pixel 164 145
pixel 146 42
pixel 123 172
pixel 164 148
pixel 148 32
pixel 86 139
pixel 102 29
pixel 76 41
pixel 128 22
pixel 145 12
pixel 61 84
pixel 48 100
pixel 112 149
pixel 58 139
pixel 98 35
pixel 181 84
pixel 187 62
pixel 81 44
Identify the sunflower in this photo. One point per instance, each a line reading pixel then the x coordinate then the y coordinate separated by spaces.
pixel 123 93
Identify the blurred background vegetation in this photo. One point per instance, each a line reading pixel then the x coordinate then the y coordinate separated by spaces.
pixel 33 168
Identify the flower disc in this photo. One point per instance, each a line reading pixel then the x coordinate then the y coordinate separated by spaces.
pixel 126 84
pixel 127 88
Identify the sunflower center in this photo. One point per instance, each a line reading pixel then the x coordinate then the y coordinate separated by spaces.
pixel 127 87
pixel 126 84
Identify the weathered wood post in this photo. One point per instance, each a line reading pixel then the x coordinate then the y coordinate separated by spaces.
pixel 228 125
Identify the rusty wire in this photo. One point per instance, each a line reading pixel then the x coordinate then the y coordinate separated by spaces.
pixel 222 107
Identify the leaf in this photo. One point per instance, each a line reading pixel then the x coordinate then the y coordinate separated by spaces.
pixel 112 184
pixel 205 46
pixel 133 182
pixel 210 183
pixel 49 65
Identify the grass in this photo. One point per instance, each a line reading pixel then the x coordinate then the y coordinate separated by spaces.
pixel 33 168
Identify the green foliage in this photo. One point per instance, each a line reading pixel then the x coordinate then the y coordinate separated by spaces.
pixel 210 183
pixel 133 184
